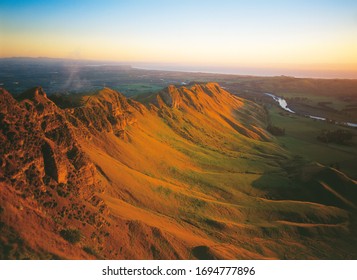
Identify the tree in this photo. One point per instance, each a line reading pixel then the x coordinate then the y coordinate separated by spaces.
pixel 275 130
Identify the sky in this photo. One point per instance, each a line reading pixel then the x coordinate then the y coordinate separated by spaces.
pixel 311 36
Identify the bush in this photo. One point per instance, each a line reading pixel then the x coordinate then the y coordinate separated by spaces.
pixel 91 251
pixel 71 235
pixel 275 130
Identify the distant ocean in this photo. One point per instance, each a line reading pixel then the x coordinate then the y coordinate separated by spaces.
pixel 250 71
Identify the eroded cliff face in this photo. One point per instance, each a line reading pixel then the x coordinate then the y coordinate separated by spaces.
pixel 107 111
pixel 42 163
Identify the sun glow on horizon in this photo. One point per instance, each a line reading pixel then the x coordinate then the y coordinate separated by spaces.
pixel 306 34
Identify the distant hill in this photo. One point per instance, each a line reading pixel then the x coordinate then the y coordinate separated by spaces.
pixel 186 173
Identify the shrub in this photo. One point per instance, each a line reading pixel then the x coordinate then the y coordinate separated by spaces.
pixel 71 235
pixel 91 251
pixel 275 130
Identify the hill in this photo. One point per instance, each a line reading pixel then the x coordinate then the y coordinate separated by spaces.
pixel 187 173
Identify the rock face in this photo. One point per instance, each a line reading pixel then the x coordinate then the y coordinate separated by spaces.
pixel 42 160
pixel 54 166
pixel 179 177
pixel 38 137
pixel 106 111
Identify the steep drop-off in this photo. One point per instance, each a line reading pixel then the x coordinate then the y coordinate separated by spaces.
pixel 189 173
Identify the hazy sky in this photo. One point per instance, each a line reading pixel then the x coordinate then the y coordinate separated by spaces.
pixel 291 34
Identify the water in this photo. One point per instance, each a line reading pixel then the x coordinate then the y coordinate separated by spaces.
pixel 283 104
pixel 351 124
pixel 317 118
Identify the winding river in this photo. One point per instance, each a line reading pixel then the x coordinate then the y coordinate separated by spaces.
pixel 283 104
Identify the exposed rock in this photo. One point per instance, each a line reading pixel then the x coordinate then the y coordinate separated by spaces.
pixel 54 167
pixel 107 111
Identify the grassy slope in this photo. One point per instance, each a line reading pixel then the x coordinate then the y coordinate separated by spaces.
pixel 204 193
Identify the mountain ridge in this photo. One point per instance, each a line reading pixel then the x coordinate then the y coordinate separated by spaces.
pixel 161 179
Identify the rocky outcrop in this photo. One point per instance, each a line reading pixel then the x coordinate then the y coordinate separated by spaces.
pixel 107 111
pixel 54 167
pixel 42 163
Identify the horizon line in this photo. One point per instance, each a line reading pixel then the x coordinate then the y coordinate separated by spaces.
pixel 213 69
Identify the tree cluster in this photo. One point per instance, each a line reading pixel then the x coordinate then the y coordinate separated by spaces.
pixel 340 136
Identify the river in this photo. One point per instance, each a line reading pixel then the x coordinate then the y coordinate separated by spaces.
pixel 283 104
